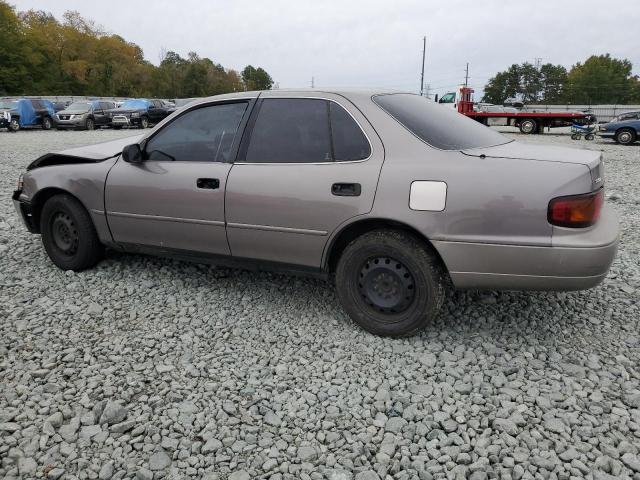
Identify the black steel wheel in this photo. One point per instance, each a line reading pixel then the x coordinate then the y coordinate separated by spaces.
pixel 390 283
pixel 68 234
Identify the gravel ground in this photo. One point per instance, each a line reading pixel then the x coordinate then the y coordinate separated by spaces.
pixel 148 368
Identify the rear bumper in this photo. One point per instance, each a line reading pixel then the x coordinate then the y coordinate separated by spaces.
pixel 25 212
pixel 581 264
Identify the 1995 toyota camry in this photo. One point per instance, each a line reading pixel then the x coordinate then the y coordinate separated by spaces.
pixel 393 196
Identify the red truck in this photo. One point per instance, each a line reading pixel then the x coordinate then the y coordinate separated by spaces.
pixel 526 121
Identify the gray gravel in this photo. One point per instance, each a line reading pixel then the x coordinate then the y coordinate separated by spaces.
pixel 147 368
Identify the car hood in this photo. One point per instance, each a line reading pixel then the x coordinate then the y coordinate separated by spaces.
pixel 541 153
pixel 88 154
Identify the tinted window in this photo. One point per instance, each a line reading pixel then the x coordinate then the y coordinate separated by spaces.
pixel 202 135
pixel 439 126
pixel 448 98
pixel 294 130
pixel 349 142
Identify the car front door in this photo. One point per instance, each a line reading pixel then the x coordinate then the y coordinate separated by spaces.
pixel 306 166
pixel 174 198
pixel 156 111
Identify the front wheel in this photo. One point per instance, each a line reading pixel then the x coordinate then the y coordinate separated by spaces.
pixel 389 283
pixel 47 123
pixel 625 136
pixel 14 125
pixel 68 234
pixel 589 136
pixel 144 122
pixel 89 124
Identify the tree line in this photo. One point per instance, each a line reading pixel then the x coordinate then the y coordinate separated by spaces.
pixel 601 79
pixel 40 55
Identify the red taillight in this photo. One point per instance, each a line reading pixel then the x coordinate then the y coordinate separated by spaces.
pixel 576 211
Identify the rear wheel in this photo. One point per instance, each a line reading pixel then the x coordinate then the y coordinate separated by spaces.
pixel 47 123
pixel 528 126
pixel 68 234
pixel 389 283
pixel 625 136
pixel 589 136
pixel 14 125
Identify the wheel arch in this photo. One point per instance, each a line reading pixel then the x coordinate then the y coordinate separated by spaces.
pixel 41 197
pixel 353 230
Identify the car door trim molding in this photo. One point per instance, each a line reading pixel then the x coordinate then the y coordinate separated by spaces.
pixel 256 111
pixel 166 219
pixel 269 228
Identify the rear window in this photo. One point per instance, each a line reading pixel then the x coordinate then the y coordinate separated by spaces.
pixel 439 126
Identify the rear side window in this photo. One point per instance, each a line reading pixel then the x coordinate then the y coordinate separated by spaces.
pixel 439 126
pixel 303 130
pixel 349 141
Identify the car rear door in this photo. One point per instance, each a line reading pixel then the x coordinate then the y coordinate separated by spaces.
pixel 306 166
pixel 174 199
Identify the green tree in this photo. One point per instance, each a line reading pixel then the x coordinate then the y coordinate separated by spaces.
pixel 13 71
pixel 553 83
pixel 256 78
pixel 601 79
pixel 503 85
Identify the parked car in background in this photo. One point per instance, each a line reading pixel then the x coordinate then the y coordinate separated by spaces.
pixel 26 112
pixel 85 115
pixel 624 129
pixel 140 113
pixel 390 194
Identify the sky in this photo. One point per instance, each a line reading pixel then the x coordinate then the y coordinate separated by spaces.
pixel 372 43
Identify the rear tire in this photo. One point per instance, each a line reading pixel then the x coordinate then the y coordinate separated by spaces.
pixel 47 123
pixel 14 125
pixel 625 136
pixel 589 136
pixel 389 283
pixel 528 126
pixel 68 234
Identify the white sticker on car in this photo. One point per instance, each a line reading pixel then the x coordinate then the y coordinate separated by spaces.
pixel 428 195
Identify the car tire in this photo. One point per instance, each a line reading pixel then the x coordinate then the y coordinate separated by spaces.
pixel 390 283
pixel 14 125
pixel 589 136
pixel 625 136
pixel 528 126
pixel 47 123
pixel 68 234
pixel 89 124
pixel 144 122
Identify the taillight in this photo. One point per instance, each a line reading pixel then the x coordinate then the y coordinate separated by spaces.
pixel 576 211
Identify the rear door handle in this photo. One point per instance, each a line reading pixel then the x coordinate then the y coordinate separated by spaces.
pixel 210 183
pixel 346 189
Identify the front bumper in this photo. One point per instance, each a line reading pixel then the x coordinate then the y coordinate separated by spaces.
pixel 70 123
pixel 124 121
pixel 4 123
pixel 573 262
pixel 25 211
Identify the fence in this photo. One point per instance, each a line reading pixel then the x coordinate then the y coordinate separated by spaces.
pixel 604 113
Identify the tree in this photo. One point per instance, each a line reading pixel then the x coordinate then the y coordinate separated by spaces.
pixel 13 71
pixel 602 79
pixel 554 80
pixel 528 84
pixel 256 78
pixel 503 85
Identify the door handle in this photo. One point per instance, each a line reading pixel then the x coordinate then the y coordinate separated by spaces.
pixel 346 189
pixel 210 183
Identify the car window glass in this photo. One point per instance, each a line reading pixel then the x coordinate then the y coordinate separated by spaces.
pixel 349 141
pixel 291 130
pixel 436 125
pixel 448 98
pixel 202 135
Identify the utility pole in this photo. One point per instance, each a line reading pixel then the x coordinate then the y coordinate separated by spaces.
pixel 424 49
pixel 466 76
pixel 313 85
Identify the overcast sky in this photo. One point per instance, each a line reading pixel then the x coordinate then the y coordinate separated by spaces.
pixel 368 43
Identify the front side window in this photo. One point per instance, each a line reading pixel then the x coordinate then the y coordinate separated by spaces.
pixel 438 126
pixel 205 134
pixel 304 130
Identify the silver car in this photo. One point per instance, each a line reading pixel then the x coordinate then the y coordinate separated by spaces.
pixel 392 196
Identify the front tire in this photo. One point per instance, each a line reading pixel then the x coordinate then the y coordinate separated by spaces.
pixel 68 234
pixel 528 126
pixel 14 125
pixel 47 123
pixel 144 122
pixel 389 283
pixel 89 124
pixel 625 136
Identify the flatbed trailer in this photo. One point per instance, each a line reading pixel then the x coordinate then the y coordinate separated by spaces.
pixel 527 122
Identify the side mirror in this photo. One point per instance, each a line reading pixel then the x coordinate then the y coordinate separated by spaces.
pixel 132 153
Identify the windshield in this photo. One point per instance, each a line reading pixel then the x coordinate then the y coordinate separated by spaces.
pixel 436 125
pixel 134 104
pixel 79 107
pixel 7 104
pixel 448 98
